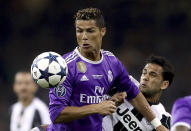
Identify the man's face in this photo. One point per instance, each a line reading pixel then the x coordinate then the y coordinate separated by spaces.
pixel 24 86
pixel 151 79
pixel 89 35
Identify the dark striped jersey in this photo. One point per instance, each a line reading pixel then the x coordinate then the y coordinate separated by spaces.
pixel 25 118
pixel 127 118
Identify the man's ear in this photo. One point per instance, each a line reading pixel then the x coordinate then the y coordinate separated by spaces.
pixel 103 31
pixel 165 85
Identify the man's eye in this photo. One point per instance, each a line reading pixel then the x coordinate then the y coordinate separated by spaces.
pixel 153 74
pixel 79 31
pixel 91 31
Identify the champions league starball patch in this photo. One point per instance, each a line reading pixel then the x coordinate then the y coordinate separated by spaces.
pixel 60 91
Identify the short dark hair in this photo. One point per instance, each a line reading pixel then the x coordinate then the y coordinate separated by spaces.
pixel 91 14
pixel 168 70
pixel 23 71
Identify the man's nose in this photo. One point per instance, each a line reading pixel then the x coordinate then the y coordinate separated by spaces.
pixel 146 77
pixel 84 36
pixel 23 85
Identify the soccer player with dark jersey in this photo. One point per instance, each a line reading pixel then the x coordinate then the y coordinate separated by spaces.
pixel 181 114
pixel 79 103
pixel 156 76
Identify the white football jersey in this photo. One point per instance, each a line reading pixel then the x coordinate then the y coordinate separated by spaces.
pixel 127 118
pixel 35 114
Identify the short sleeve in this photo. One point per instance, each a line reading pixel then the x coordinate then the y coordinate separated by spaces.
pixel 181 113
pixel 124 83
pixel 60 97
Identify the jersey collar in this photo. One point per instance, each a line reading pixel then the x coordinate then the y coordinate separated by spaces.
pixel 87 60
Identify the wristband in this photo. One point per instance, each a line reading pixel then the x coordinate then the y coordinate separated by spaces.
pixel 156 122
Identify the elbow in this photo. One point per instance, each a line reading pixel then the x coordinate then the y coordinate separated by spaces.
pixel 61 120
pixel 56 121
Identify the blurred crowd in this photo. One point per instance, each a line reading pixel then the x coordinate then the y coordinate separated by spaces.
pixel 135 29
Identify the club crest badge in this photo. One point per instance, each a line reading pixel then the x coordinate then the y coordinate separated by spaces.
pixel 60 91
pixel 81 67
pixel 110 76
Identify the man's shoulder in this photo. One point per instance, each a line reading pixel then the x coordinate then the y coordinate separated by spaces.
pixel 16 104
pixel 38 100
pixel 186 98
pixel 180 111
pixel 109 56
pixel 160 109
pixel 183 102
pixel 70 56
pixel 107 53
pixel 12 107
pixel 39 103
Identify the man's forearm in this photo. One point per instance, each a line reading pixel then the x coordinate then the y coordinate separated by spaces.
pixel 71 113
pixel 141 104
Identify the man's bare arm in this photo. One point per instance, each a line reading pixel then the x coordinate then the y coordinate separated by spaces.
pixel 141 104
pixel 73 113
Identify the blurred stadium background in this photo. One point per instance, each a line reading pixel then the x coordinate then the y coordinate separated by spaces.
pixel 135 29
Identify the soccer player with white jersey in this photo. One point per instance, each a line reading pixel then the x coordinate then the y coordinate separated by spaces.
pixel 79 103
pixel 181 114
pixel 156 76
pixel 29 111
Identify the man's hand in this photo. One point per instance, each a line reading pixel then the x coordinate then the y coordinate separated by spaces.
pixel 106 107
pixel 119 98
pixel 161 128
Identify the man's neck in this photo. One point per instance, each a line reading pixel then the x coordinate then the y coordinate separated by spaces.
pixel 26 102
pixel 154 99
pixel 94 56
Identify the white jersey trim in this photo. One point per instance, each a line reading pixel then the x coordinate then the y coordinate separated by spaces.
pixel 71 56
pixel 108 53
pixel 180 124
pixel 87 60
pixel 72 59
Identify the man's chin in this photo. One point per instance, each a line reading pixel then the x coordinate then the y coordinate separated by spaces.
pixel 143 91
pixel 86 49
pixel 24 97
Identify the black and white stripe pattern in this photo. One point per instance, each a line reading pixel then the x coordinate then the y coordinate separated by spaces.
pixel 116 123
pixel 25 118
pixel 133 118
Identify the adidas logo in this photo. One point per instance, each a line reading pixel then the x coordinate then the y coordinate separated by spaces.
pixel 84 78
